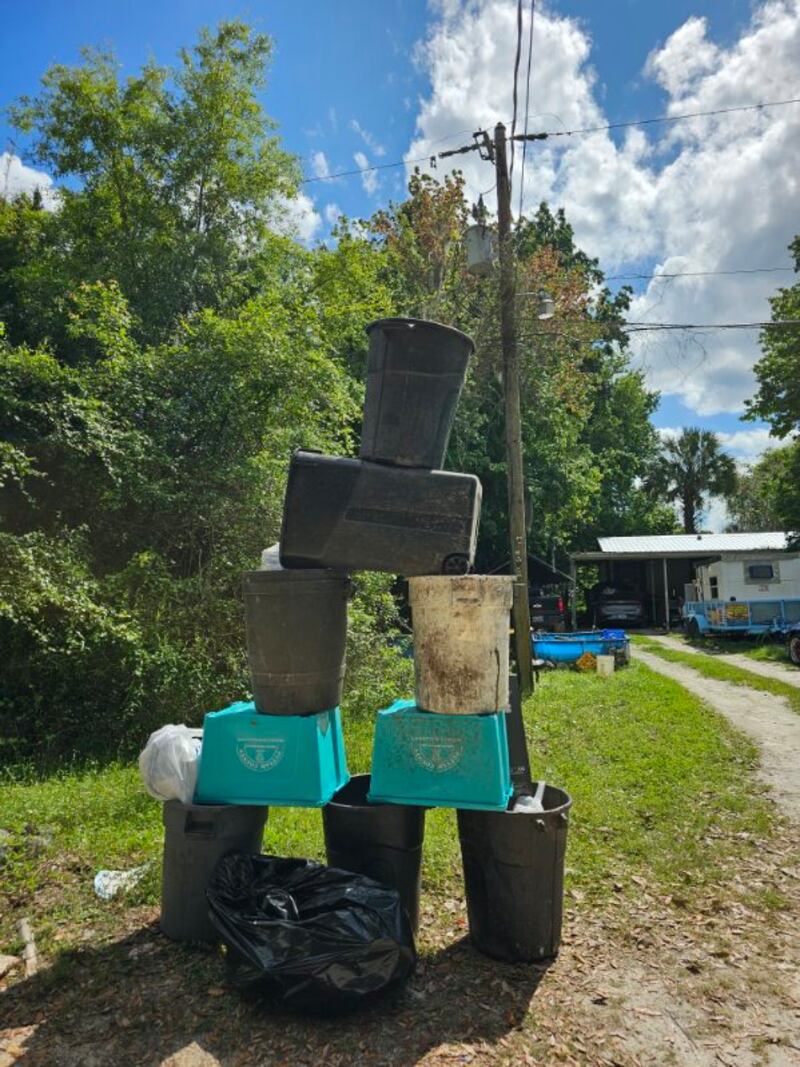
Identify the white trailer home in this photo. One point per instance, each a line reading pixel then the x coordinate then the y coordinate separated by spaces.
pixel 749 576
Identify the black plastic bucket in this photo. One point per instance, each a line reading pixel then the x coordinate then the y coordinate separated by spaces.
pixel 296 632
pixel 381 841
pixel 196 837
pixel 514 878
pixel 415 374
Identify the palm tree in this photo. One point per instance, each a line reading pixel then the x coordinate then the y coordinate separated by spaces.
pixel 690 466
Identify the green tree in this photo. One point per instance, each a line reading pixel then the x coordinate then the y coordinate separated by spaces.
pixel 778 398
pixel 766 496
pixel 178 176
pixel 691 466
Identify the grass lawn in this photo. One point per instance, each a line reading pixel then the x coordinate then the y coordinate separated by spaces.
pixel 766 648
pixel 661 790
pixel 713 667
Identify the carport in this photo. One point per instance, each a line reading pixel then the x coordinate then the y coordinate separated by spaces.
pixel 661 566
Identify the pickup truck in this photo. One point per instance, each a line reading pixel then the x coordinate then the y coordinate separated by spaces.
pixel 548 611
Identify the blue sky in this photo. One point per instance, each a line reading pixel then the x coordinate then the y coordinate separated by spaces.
pixel 378 81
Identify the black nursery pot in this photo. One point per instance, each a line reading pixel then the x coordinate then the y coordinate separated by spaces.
pixel 381 841
pixel 514 878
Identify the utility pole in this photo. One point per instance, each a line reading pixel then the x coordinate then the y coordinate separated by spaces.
pixel 521 613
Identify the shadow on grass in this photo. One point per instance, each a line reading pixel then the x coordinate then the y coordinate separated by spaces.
pixel 143 1000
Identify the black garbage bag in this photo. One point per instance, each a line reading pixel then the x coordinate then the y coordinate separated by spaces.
pixel 309 936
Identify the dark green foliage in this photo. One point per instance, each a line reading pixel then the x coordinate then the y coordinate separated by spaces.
pixel 778 401
pixel 767 497
pixel 778 397
pixel 165 352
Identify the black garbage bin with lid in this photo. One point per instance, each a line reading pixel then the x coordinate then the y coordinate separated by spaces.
pixel 415 373
pixel 381 841
pixel 514 878
pixel 355 515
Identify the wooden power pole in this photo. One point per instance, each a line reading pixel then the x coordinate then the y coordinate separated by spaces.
pixel 521 613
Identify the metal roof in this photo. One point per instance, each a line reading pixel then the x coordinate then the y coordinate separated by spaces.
pixel 662 544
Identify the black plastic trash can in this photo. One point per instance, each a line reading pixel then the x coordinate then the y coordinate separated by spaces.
pixel 296 624
pixel 355 515
pixel 381 841
pixel 514 878
pixel 415 374
pixel 196 837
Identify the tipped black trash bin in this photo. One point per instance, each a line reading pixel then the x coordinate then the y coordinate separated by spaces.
pixel 196 837
pixel 415 374
pixel 514 878
pixel 381 841
pixel 347 513
pixel 296 632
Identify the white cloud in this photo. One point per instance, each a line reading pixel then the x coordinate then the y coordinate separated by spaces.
pixel 17 178
pixel 332 213
pixel 296 217
pixel 369 179
pixel 369 140
pixel 708 194
pixel 319 165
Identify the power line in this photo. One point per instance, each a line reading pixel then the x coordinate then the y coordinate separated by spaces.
pixel 546 135
pixel 700 273
pixel 527 101
pixel 667 118
pixel 514 94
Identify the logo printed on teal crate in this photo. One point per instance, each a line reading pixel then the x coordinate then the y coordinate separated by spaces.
pixel 261 754
pixel 437 753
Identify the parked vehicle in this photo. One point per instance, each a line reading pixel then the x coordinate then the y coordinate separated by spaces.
pixel 548 611
pixel 794 644
pixel 616 602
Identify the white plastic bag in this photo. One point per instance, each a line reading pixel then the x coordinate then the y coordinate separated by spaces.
pixel 168 763
pixel 270 559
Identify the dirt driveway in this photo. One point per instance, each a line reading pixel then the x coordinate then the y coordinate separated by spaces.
pixel 766 718
pixel 767 669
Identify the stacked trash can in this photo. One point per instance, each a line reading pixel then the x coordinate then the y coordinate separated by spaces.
pixel 393 509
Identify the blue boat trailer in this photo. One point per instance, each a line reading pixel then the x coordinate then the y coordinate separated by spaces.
pixel 752 617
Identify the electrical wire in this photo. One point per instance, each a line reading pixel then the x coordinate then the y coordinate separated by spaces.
pixel 565 133
pixel 527 101
pixel 514 95
pixel 669 118
pixel 699 273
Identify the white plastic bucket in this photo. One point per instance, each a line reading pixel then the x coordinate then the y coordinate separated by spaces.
pixel 461 634
pixel 605 666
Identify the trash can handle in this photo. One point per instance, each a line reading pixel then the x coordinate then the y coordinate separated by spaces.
pixel 199 827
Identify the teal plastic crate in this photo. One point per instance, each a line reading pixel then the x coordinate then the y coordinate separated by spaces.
pixel 278 760
pixel 440 761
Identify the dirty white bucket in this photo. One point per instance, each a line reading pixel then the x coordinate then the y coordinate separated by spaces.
pixel 461 626
pixel 605 666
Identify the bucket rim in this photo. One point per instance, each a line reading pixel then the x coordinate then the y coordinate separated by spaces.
pixel 403 320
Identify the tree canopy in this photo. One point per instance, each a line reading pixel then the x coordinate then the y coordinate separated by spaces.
pixel 690 467
pixel 163 348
